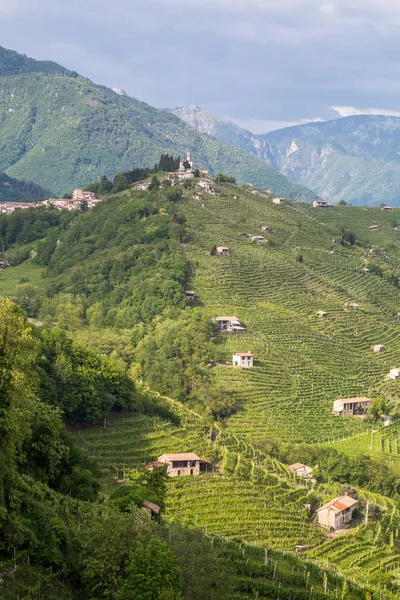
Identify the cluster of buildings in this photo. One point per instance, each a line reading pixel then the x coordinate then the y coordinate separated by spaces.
pixel 74 203
pixel 333 515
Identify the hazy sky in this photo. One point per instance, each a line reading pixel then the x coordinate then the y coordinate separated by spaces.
pixel 263 63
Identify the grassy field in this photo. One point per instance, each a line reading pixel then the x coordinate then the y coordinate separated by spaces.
pixel 11 277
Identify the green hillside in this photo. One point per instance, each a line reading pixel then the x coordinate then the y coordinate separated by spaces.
pixel 115 280
pixel 13 189
pixel 71 132
pixel 354 159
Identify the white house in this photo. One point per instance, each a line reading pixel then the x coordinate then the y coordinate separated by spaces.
pixel 243 359
pixel 186 463
pixel 320 204
pixel 394 373
pixel 142 186
pixel 386 208
pixel 322 314
pixel 336 513
pixel 378 348
pixel 222 250
pixel 278 200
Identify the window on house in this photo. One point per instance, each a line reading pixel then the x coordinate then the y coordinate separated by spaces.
pixel 179 464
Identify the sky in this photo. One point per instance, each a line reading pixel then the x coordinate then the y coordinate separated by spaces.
pixel 264 64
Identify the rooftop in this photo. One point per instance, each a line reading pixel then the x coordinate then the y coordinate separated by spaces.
pixel 338 505
pixel 181 456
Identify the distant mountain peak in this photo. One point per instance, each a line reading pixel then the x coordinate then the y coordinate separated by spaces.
pixel 119 90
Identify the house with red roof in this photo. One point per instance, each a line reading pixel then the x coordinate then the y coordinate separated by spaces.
pixel 336 513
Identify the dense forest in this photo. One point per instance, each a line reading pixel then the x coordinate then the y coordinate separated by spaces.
pixel 12 189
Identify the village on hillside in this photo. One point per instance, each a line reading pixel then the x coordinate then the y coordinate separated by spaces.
pixel 79 197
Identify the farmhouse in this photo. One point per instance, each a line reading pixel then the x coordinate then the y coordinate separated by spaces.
pixel 278 200
pixel 378 348
pixel 258 239
pixel 205 184
pixel 386 208
pixel 187 463
pixel 322 315
pixel 373 228
pixel 142 186
pixel 189 294
pixel 300 470
pixel 394 373
pixel 222 251
pixel 230 325
pixel 320 204
pixel 243 359
pixel 346 407
pixel 336 513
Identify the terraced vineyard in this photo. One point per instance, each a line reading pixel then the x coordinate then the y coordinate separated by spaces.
pixel 302 363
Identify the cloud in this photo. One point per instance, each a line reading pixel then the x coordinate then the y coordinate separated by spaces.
pixel 350 111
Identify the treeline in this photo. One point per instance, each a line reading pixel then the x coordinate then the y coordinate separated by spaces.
pixel 373 473
pixel 122 181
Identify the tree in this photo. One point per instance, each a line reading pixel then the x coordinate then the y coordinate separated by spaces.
pixel 155 184
pixel 29 298
pixel 342 203
pixel 105 186
pixel 152 574
pixel 108 538
pixel 120 183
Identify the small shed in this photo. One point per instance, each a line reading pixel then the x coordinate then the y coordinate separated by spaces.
pixel 336 513
pixel 189 294
pixel 243 359
pixel 300 470
pixel 394 373
pixel 320 204
pixel 353 305
pixel 265 228
pixel 222 251
pixel 373 228
pixel 322 314
pixel 278 200
pixel 378 348
pixel 386 208
pixel 154 509
pixel 365 271
pixel 258 239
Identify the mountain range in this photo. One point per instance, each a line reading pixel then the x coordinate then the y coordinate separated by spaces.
pixel 60 130
pixel 356 159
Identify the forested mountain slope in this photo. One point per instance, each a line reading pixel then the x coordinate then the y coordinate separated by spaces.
pixel 71 131
pixel 354 158
pixel 13 189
